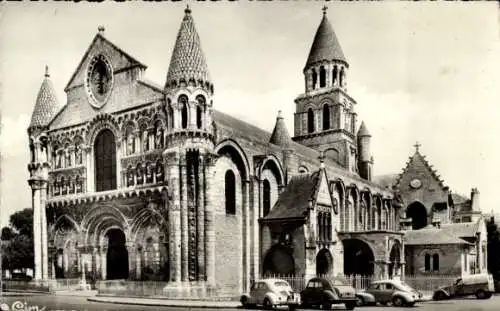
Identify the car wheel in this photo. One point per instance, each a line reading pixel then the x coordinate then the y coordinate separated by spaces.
pixel 326 306
pixel 439 296
pixel 350 305
pixel 267 304
pixel 410 304
pixel 481 294
pixel 397 301
pixel 244 301
pixel 360 301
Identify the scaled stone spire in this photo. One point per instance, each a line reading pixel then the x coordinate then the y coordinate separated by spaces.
pixel 280 134
pixel 326 46
pixel 46 105
pixel 188 60
pixel 363 130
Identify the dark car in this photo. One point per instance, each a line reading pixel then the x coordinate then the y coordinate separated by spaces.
pixel 481 285
pixel 322 292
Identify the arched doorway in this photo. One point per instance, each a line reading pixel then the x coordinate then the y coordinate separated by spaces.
pixel 279 260
pixel 105 161
pixel 358 258
pixel 117 255
pixel 324 262
pixel 394 259
pixel 418 214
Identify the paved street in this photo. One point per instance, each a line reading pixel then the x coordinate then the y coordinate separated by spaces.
pixel 67 303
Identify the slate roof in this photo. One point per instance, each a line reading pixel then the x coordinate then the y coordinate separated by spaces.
pixel 325 46
pixel 463 229
pixel 280 135
pixel 188 60
pixel 46 105
pixel 294 200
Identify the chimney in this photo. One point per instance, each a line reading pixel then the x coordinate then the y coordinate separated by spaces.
pixel 474 198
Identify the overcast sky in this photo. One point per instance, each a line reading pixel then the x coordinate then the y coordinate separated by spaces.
pixel 419 71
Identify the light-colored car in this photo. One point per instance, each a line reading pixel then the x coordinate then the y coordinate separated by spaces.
pixel 365 299
pixel 481 285
pixel 393 291
pixel 271 293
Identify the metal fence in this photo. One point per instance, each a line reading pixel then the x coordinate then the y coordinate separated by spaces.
pixel 41 285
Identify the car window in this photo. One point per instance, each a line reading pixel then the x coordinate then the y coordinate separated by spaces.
pixel 281 284
pixel 374 286
pixel 459 282
pixel 389 286
pixel 311 284
pixel 339 282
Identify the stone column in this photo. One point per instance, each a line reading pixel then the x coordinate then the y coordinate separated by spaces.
pixel 184 219
pixel 380 270
pixel 255 229
pixel 90 168
pixel 201 218
pixel 43 215
pixel 138 265
pixel 174 218
pixel 37 227
pixel 209 225
pixel 246 234
pixel 103 263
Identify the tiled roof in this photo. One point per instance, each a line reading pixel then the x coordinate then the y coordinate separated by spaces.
pixel 458 198
pixel 431 236
pixel 386 181
pixel 294 200
pixel 325 46
pixel 363 131
pixel 46 105
pixel 447 234
pixel 188 61
pixel 280 135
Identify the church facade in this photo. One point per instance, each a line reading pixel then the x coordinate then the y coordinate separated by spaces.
pixel 132 180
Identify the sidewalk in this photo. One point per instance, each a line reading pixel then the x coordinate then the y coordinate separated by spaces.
pixel 167 302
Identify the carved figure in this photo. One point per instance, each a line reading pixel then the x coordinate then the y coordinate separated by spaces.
pixel 139 174
pixel 159 172
pixel 158 138
pixel 149 173
pixel 78 155
pixel 130 177
pixel 67 158
pixel 145 141
pixel 130 144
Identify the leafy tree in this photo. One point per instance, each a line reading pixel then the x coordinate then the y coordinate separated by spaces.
pixel 17 241
pixel 493 248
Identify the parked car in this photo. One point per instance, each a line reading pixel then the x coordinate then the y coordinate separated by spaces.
pixel 365 299
pixel 481 285
pixel 394 291
pixel 322 292
pixel 271 293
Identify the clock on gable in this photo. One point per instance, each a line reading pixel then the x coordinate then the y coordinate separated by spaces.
pixel 99 80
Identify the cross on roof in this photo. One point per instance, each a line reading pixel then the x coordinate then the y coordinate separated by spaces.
pixel 324 9
pixel 417 146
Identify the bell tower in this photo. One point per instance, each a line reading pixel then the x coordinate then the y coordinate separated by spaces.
pixel 324 113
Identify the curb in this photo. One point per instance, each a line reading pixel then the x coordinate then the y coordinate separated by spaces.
pixel 167 303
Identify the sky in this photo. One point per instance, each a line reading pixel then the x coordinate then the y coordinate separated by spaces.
pixel 426 72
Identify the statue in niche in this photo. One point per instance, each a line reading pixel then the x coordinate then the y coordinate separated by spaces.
pixel 78 155
pixel 158 138
pixel 139 174
pixel 149 173
pixel 78 184
pixel 70 187
pixel 64 187
pixel 56 188
pixel 130 144
pixel 130 177
pixel 67 158
pixel 145 141
pixel 159 172
pixel 58 160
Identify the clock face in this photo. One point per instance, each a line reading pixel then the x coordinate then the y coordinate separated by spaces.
pixel 415 183
pixel 99 80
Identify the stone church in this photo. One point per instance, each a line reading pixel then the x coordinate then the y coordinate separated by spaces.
pixel 139 181
pixel 445 233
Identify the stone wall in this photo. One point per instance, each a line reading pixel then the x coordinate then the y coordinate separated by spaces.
pixel 450 259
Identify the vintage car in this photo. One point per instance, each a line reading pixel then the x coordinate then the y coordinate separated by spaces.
pixel 271 293
pixel 393 291
pixel 365 299
pixel 481 285
pixel 323 292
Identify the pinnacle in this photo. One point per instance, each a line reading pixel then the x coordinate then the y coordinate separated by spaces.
pixel 46 105
pixel 280 135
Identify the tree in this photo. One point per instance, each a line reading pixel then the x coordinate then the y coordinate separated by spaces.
pixel 493 248
pixel 17 245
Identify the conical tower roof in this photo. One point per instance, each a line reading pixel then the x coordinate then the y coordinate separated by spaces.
pixel 188 61
pixel 46 105
pixel 280 134
pixel 325 46
pixel 363 130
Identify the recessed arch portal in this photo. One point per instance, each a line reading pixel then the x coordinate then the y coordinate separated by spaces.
pixel 324 262
pixel 279 260
pixel 358 258
pixel 418 214
pixel 117 255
